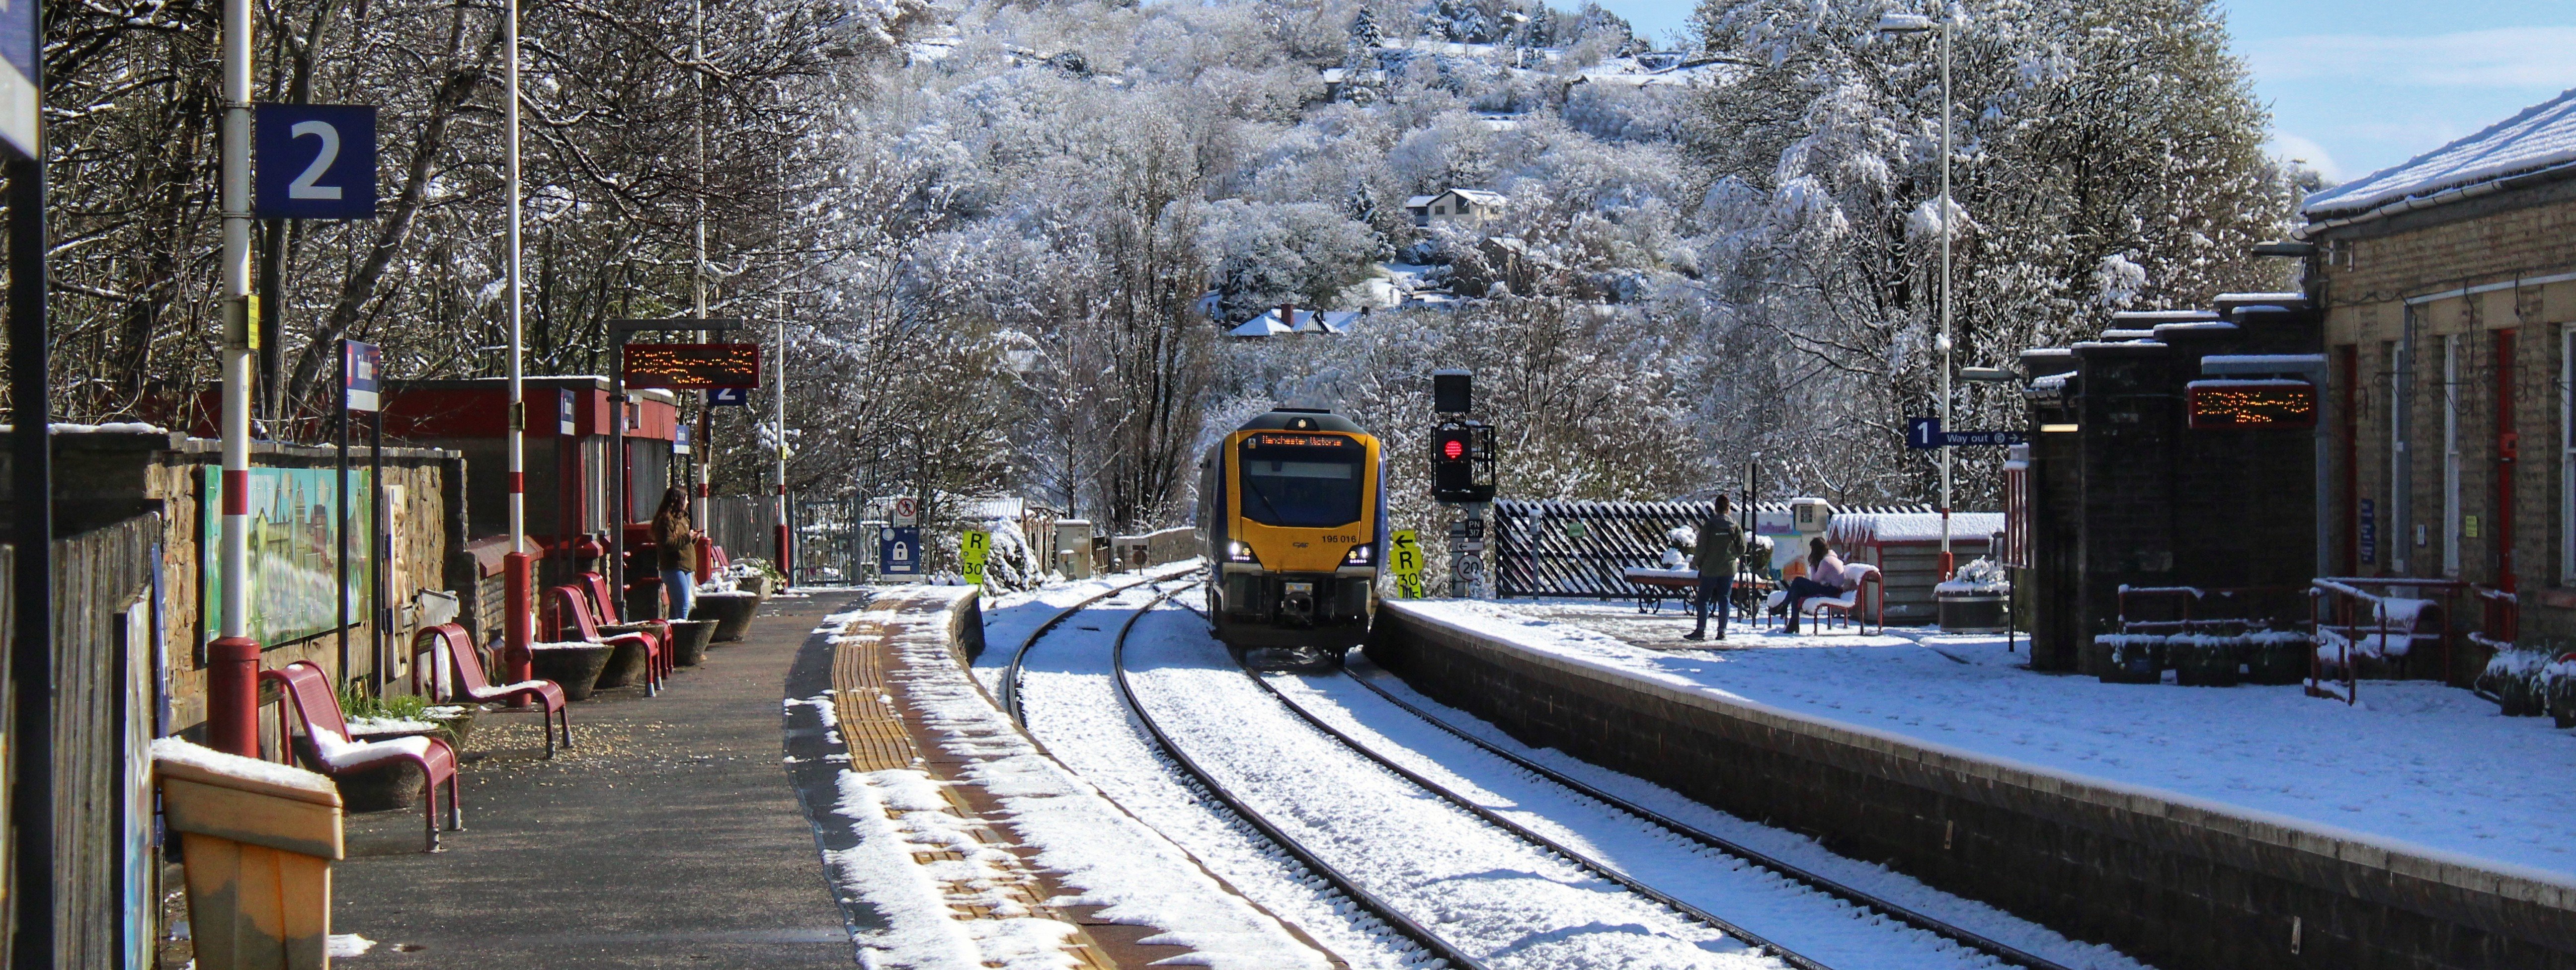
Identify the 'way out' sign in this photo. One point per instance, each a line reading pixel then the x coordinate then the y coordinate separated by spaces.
pixel 313 161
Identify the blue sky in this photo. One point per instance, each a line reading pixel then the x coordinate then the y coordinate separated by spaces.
pixel 2359 85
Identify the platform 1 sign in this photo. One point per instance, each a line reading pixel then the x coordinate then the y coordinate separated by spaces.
pixel 899 550
pixel 1404 559
pixel 972 548
pixel 1926 433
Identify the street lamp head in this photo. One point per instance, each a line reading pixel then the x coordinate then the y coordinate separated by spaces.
pixel 1904 23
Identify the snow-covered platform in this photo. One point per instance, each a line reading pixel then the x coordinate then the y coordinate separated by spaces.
pixel 2188 826
pixel 952 840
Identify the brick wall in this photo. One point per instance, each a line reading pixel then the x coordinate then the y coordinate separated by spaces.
pixel 2366 275
pixel 2175 884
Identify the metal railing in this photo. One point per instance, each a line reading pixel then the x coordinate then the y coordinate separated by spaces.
pixel 2354 622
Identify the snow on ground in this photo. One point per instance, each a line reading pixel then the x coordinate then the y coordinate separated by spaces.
pixel 1528 792
pixel 1073 708
pixel 1493 895
pixel 1010 618
pixel 2415 765
pixel 1107 856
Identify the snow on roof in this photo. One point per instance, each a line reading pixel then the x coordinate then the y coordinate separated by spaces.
pixel 1859 528
pixel 2173 316
pixel 1264 325
pixel 2196 326
pixel 1419 201
pixel 1479 196
pixel 2052 382
pixel 2119 334
pixel 2541 137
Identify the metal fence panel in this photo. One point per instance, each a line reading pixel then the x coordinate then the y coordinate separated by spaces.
pixel 1537 554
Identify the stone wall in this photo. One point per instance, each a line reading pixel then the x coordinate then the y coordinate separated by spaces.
pixel 2170 881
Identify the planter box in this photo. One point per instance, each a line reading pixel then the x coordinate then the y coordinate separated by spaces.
pixel 574 667
pixel 625 665
pixel 731 611
pixel 2277 659
pixel 2129 658
pixel 1969 612
pixel 689 639
pixel 2206 661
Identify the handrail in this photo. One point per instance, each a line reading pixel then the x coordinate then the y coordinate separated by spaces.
pixel 2343 611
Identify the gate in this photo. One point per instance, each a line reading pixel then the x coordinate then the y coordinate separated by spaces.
pixel 832 544
pixel 1579 549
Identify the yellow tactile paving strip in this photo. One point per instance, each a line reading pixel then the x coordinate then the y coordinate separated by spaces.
pixel 879 736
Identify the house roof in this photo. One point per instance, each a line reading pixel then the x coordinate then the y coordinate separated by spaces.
pixel 1478 196
pixel 1419 201
pixel 2541 137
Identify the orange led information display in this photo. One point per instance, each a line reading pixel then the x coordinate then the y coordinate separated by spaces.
pixel 1325 441
pixel 692 366
pixel 2219 405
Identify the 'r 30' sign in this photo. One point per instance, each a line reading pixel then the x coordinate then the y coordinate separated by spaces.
pixel 314 161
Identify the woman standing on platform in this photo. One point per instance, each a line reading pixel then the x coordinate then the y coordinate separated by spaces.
pixel 675 551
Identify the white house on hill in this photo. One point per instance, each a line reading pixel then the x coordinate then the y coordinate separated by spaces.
pixel 1455 205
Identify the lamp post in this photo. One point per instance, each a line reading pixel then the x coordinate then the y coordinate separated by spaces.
pixel 516 660
pixel 1909 23
pixel 232 660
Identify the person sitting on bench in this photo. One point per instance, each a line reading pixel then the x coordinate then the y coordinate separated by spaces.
pixel 1824 578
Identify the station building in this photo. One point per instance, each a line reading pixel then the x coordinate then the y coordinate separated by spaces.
pixel 2448 286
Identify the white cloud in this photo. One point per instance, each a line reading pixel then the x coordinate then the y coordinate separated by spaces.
pixel 2512 57
pixel 2291 147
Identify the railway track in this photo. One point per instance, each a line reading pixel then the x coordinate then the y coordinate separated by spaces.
pixel 1011 676
pixel 1401 925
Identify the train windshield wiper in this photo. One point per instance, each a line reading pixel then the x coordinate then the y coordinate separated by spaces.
pixel 1251 486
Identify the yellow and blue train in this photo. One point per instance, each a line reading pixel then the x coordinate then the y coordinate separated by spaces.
pixel 1292 519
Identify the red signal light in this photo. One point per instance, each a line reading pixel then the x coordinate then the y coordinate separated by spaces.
pixel 1453 449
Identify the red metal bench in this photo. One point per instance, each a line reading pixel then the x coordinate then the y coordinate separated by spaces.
pixel 573 622
pixel 319 709
pixel 454 653
pixel 603 611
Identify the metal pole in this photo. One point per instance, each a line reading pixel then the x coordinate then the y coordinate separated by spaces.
pixel 232 676
pixel 702 449
pixel 518 624
pixel 779 366
pixel 380 547
pixel 31 653
pixel 340 529
pixel 1948 214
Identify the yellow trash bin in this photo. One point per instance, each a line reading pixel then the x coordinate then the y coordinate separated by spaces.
pixel 258 840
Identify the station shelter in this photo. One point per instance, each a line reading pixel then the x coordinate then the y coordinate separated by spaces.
pixel 573 495
pixel 2175 454
pixel 2448 285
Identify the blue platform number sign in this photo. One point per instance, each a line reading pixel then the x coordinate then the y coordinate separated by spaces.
pixel 314 161
pixel 19 98
pixel 1922 433
pixel 899 550
pixel 728 397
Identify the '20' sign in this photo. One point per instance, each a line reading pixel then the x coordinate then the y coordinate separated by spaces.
pixel 315 161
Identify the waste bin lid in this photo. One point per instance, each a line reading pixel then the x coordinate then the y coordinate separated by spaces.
pixel 176 758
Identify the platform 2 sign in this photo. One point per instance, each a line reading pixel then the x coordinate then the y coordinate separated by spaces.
pixel 899 550
pixel 691 367
pixel 972 548
pixel 1404 559
pixel 313 161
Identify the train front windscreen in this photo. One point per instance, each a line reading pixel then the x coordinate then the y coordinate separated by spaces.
pixel 1302 481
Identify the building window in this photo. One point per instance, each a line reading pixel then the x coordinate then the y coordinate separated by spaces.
pixel 1439 210
pixel 2398 541
pixel 2567 454
pixel 1462 207
pixel 2451 511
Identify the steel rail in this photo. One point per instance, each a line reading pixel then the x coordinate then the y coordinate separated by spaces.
pixel 1967 938
pixel 1011 677
pixel 1397 921
pixel 1497 820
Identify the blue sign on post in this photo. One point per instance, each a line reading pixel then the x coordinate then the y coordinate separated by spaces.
pixel 361 371
pixel 1921 433
pixel 899 550
pixel 728 397
pixel 1975 439
pixel 314 161
pixel 19 61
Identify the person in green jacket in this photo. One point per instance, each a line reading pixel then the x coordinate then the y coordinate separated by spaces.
pixel 1721 545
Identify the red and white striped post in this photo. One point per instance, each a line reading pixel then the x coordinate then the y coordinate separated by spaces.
pixel 517 661
pixel 232 661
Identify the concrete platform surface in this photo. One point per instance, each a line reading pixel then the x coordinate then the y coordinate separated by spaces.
pixel 669 837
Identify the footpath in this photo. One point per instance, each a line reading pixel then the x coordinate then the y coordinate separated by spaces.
pixel 667 837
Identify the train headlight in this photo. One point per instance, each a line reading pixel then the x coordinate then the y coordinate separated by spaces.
pixel 1238 552
pixel 1361 555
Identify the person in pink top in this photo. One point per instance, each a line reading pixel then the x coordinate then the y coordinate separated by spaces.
pixel 1824 578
